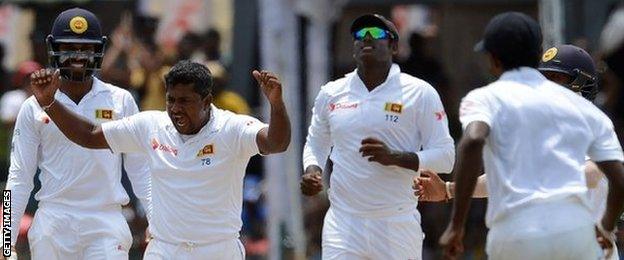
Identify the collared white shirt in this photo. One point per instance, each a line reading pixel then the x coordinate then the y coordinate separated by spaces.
pixel 70 174
pixel 197 184
pixel 404 112
pixel 539 135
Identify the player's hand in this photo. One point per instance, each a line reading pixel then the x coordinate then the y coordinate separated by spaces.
pixel 271 85
pixel 13 254
pixel 377 151
pixel 44 84
pixel 429 187
pixel 311 181
pixel 606 240
pixel 451 242
pixel 148 235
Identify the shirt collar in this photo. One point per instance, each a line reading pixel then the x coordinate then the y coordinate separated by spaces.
pixel 395 71
pixel 523 74
pixel 97 86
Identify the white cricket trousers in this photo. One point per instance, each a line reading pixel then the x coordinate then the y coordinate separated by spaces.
pixel 60 232
pixel 231 249
pixel 561 229
pixel 349 237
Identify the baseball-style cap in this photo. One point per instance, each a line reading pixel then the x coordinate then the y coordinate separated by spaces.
pixel 369 20
pixel 77 25
pixel 511 32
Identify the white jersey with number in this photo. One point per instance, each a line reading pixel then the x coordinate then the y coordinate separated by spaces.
pixel 197 184
pixel 404 112
pixel 539 135
pixel 71 175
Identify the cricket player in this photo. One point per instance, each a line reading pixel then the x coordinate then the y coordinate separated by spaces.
pixel 79 214
pixel 383 125
pixel 573 68
pixel 197 153
pixel 531 135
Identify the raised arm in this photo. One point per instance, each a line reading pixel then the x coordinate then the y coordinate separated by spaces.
pixel 44 83
pixel 275 138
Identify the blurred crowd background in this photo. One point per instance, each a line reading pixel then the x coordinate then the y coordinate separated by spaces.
pixel 306 42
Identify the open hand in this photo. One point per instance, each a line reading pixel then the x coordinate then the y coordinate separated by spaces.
pixel 429 186
pixel 271 85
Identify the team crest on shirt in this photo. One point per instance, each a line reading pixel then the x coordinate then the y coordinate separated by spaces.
pixel 393 107
pixel 207 150
pixel 104 114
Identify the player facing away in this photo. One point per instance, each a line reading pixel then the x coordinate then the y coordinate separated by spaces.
pixel 197 153
pixel 531 136
pixel 383 125
pixel 573 68
pixel 79 214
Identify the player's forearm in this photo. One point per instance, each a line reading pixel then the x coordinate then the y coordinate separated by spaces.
pixel 407 160
pixel 614 171
pixel 74 127
pixel 469 165
pixel 279 129
pixel 480 190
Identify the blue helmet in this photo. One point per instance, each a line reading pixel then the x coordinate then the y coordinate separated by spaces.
pixel 76 26
pixel 576 63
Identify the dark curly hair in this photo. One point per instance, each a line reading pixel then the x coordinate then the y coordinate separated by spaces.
pixel 188 72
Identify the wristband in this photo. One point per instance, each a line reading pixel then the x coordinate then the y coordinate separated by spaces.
pixel 447 187
pixel 46 108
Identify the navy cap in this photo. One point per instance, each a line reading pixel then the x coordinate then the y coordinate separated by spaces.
pixel 369 20
pixel 511 32
pixel 77 25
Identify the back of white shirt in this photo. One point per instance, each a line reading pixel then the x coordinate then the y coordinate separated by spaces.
pixel 539 135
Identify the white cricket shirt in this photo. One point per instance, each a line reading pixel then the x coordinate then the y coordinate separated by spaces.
pixel 404 112
pixel 539 135
pixel 197 185
pixel 70 174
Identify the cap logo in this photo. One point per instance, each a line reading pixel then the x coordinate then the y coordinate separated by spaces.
pixel 78 24
pixel 549 54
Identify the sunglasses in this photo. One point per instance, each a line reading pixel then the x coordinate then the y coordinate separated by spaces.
pixel 375 32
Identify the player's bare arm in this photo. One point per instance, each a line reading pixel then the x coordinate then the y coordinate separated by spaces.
pixel 377 151
pixel 44 83
pixel 468 168
pixel 614 171
pixel 276 137
pixel 430 187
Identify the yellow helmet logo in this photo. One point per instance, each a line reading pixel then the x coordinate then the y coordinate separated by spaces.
pixel 78 24
pixel 549 54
